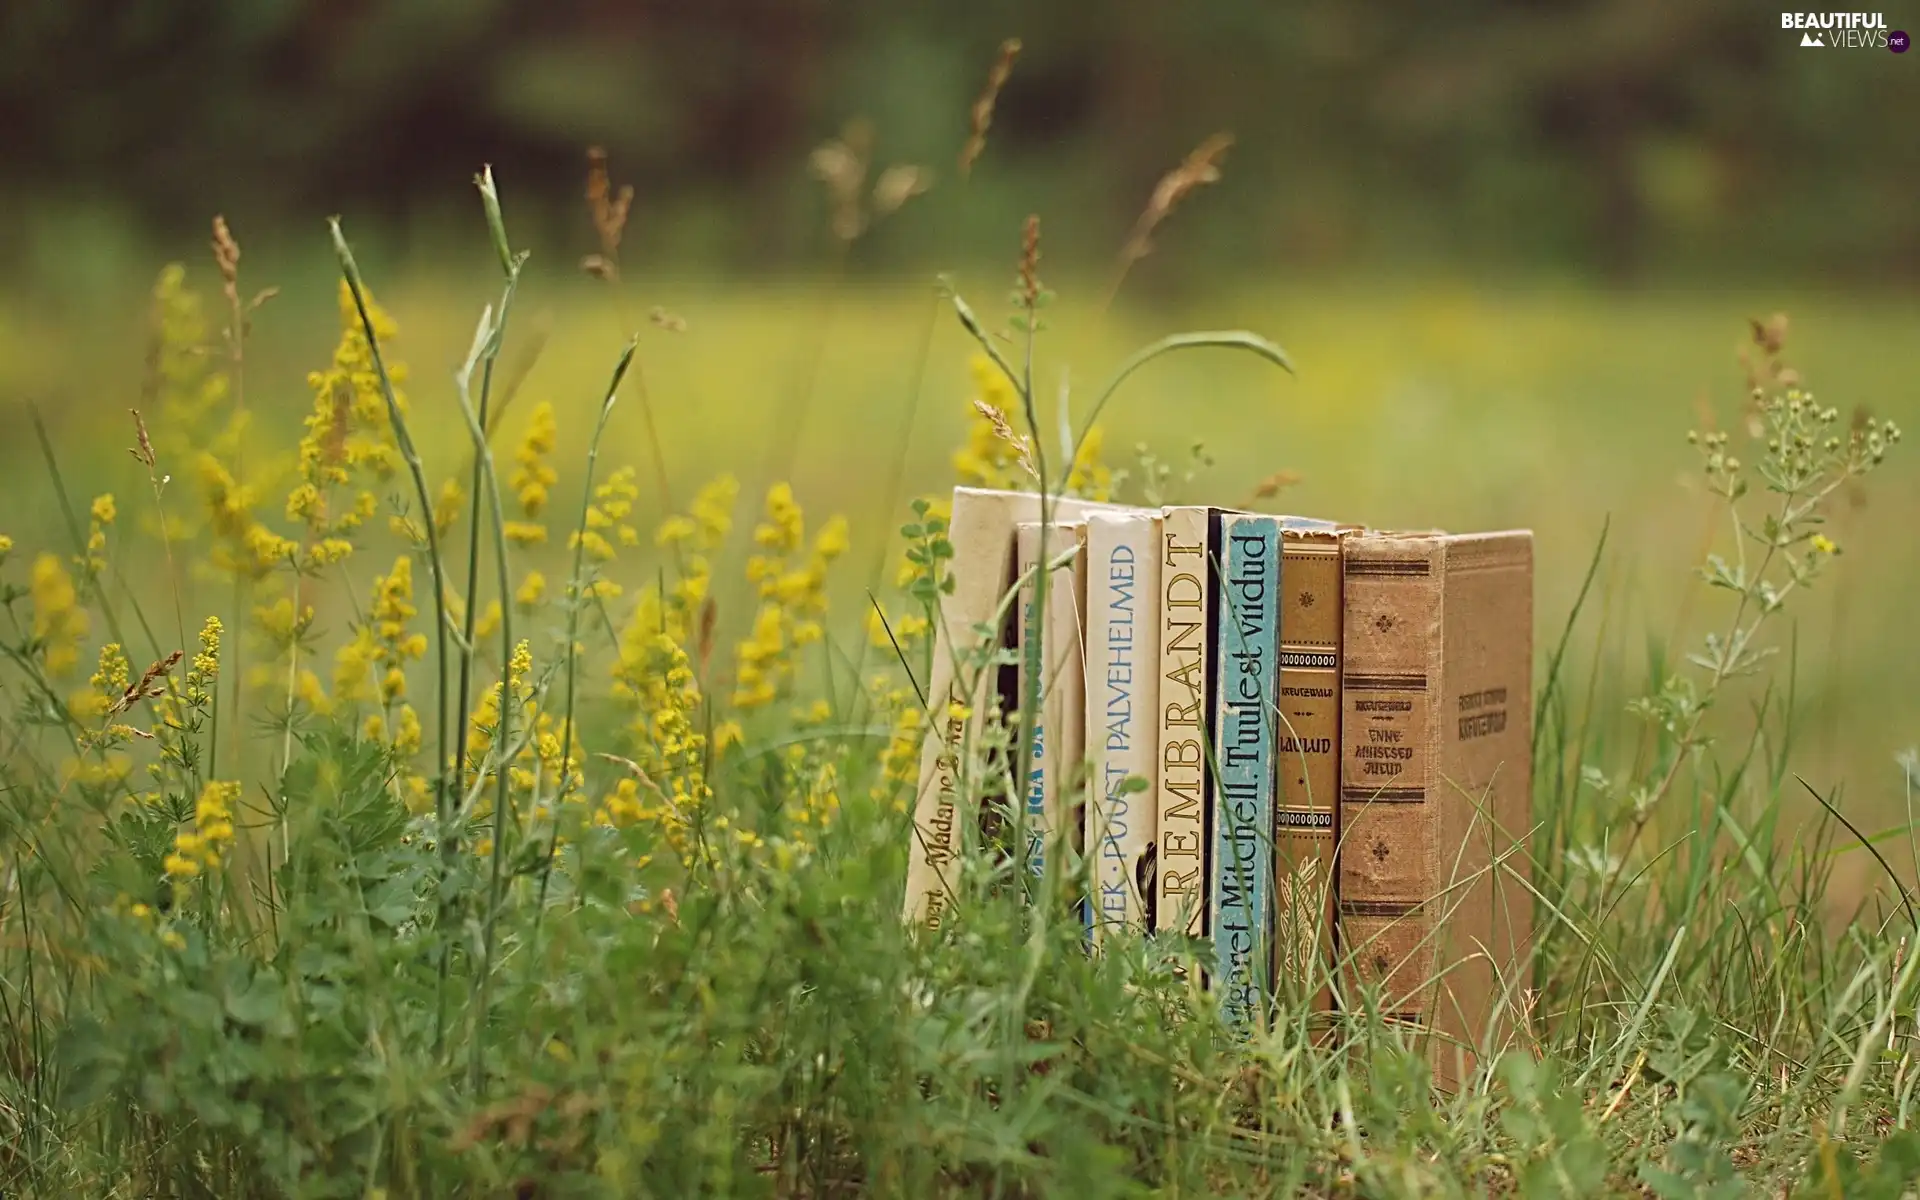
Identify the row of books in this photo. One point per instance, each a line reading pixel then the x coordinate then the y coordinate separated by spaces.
pixel 1307 743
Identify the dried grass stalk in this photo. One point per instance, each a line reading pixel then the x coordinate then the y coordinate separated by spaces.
pixel 983 104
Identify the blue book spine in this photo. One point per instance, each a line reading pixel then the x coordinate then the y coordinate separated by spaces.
pixel 1247 661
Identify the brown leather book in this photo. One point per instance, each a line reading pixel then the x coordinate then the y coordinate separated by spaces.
pixel 1436 787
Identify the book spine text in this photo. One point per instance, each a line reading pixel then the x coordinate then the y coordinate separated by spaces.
pixel 1307 739
pixel 1247 667
pixel 1123 673
pixel 1392 654
pixel 1183 797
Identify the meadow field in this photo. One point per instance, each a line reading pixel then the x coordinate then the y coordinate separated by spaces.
pixel 1452 403
pixel 253 947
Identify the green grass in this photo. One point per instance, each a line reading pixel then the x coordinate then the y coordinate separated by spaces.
pixel 725 1001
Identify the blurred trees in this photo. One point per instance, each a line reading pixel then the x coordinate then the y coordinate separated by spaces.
pixel 1604 136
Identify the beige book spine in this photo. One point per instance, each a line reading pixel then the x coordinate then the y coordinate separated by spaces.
pixel 1306 815
pixel 1436 640
pixel 1123 673
pixel 1183 791
pixel 1486 816
pixel 980 529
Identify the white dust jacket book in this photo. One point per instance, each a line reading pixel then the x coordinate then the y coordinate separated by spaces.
pixel 1122 722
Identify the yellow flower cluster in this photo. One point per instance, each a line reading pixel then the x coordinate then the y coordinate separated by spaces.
pixel 656 678
pixel 373 665
pixel 612 505
pixel 284 627
pixel 190 391
pixel 243 547
pixel 549 760
pixel 93 561
pixel 814 795
pixel 59 623
pixel 1089 478
pixel 693 538
pixel 110 681
pixel 200 849
pixel 792 588
pixel 533 476
pixel 986 459
pixel 900 758
pixel 349 431
pixel 205 671
pixel 193 424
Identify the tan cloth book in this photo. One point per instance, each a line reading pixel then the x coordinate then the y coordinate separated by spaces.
pixel 1436 786
pixel 1307 764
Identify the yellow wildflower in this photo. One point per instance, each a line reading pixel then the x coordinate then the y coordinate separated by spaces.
pixel 1089 477
pixel 201 848
pixel 792 591
pixel 353 665
pixel 93 561
pixel 110 681
pixel 531 590
pixel 406 735
pixel 448 506
pixel 987 459
pixel 1822 544
pixel 489 621
pixel 785 526
pixel 654 676
pixel 59 623
pixel 532 477
pixel 372 665
pixel 348 431
pixel 713 510
pixel 190 389
pixel 606 518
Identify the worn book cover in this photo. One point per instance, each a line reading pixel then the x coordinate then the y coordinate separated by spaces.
pixel 1436 785
pixel 1246 677
pixel 1307 744
pixel 1052 778
pixel 1189 550
pixel 962 685
pixel 1123 693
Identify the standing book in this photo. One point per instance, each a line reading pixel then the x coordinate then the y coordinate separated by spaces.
pixel 1436 785
pixel 1307 739
pixel 1059 728
pixel 1123 693
pixel 962 685
pixel 1247 678
pixel 1183 795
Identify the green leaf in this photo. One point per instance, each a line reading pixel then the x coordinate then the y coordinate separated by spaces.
pixel 91 1063
pixel 260 1002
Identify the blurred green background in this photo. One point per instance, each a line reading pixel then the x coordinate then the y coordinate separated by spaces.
pixel 1511 245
